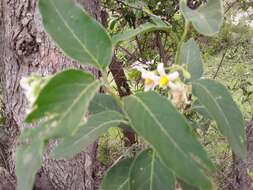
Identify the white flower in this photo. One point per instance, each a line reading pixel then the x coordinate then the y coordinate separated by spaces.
pixel 32 86
pixel 166 80
pixel 150 78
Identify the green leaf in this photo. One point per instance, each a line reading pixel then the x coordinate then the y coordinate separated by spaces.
pixel 191 57
pixel 149 173
pixel 147 27
pixel 28 162
pixel 201 109
pixel 97 125
pixel 185 186
pixel 103 102
pixel 155 119
pixel 42 132
pixel 117 177
pixel 219 103
pixel 76 33
pixel 206 19
pixel 64 100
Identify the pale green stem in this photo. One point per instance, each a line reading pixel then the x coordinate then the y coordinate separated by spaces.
pixel 186 29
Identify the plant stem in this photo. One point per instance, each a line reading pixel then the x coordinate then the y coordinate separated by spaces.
pixel 220 64
pixel 186 29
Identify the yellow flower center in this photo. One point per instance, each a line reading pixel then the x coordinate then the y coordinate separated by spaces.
pixel 148 81
pixel 163 82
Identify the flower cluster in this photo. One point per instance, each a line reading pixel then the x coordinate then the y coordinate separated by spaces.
pixel 159 77
pixel 162 79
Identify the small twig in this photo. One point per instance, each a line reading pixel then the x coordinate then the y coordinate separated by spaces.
pixel 130 55
pixel 220 64
pixel 138 44
pixel 162 52
pixel 127 5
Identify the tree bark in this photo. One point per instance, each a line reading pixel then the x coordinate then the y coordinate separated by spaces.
pixel 7 181
pixel 26 49
pixel 124 90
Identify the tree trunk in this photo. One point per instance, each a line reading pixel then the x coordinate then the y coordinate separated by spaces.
pixel 7 182
pixel 239 177
pixel 26 49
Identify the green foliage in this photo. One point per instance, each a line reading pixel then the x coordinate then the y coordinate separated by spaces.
pixel 43 131
pixel 117 177
pixel 236 69
pixel 155 119
pixel 103 102
pixel 221 106
pixel 199 108
pixel 149 173
pixel 28 160
pixel 191 57
pixel 147 27
pixel 145 172
pixel 71 91
pixel 185 186
pixel 75 32
pixel 97 125
pixel 206 19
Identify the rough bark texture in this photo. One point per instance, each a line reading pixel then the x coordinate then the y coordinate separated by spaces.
pixel 25 49
pixel 239 177
pixel 124 90
pixel 7 181
pixel 120 78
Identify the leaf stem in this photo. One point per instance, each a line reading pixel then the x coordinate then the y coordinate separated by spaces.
pixel 186 29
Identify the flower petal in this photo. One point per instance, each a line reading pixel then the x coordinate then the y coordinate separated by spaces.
pixel 156 80
pixel 149 87
pixel 173 76
pixel 160 69
pixel 146 74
